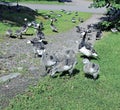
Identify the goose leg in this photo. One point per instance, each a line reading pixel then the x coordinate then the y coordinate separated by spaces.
pixel 53 71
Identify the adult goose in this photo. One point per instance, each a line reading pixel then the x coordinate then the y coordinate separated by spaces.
pixel 39 33
pixel 86 48
pixel 99 35
pixel 91 68
pixel 114 30
pixel 53 27
pixel 9 33
pixel 38 46
pixel 73 20
pixel 18 33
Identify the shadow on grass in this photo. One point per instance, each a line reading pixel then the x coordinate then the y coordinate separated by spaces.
pixel 15 15
pixel 66 73
pixel 91 77
pixel 90 58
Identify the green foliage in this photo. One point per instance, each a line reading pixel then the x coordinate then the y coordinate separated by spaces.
pixel 78 92
pixel 113 13
pixel 102 3
pixel 104 25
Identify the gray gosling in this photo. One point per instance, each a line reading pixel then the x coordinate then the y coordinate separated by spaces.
pixel 38 46
pixel 90 68
pixel 67 64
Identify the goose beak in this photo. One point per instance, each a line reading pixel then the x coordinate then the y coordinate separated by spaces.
pixel 40 40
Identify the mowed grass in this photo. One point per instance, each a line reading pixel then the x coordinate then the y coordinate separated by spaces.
pixel 15 20
pixel 38 1
pixel 79 92
pixel 64 22
pixel 43 2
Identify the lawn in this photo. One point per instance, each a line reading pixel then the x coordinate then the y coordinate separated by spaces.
pixel 11 19
pixel 79 92
pixel 37 1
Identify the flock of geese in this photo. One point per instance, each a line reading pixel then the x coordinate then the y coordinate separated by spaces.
pixel 55 62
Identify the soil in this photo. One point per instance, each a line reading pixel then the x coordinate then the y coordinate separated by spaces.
pixel 16 56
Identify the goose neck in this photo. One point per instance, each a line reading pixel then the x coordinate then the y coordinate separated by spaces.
pixel 84 37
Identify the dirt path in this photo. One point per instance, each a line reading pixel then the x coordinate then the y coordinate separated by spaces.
pixel 18 56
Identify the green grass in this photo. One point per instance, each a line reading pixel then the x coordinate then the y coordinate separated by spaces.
pixel 43 2
pixel 64 22
pixel 78 92
pixel 14 20
pixel 38 1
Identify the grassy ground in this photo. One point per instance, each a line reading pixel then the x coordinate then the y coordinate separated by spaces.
pixel 38 1
pixel 43 2
pixel 11 19
pixel 78 92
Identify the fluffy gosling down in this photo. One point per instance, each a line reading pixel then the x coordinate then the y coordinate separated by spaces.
pixel 90 68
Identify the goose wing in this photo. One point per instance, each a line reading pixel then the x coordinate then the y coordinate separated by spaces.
pixel 95 67
pixel 90 47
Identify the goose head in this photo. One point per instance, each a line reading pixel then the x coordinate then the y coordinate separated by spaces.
pixel 85 61
pixel 48 59
pixel 83 33
pixel 40 40
pixel 40 52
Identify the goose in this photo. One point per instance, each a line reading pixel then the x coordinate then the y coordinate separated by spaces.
pixel 29 24
pixel 68 12
pixel 80 19
pixel 78 29
pixel 24 29
pixel 40 35
pixel 62 10
pixel 54 19
pixel 114 30
pixel 48 60
pixel 59 15
pixel 38 46
pixel 98 34
pixel 67 63
pixel 52 62
pixel 76 13
pixel 51 12
pixel 35 24
pixel 73 20
pixel 85 48
pixel 53 27
pixel 91 27
pixel 46 16
pixel 41 25
pixel 9 33
pixel 18 33
pixel 91 68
